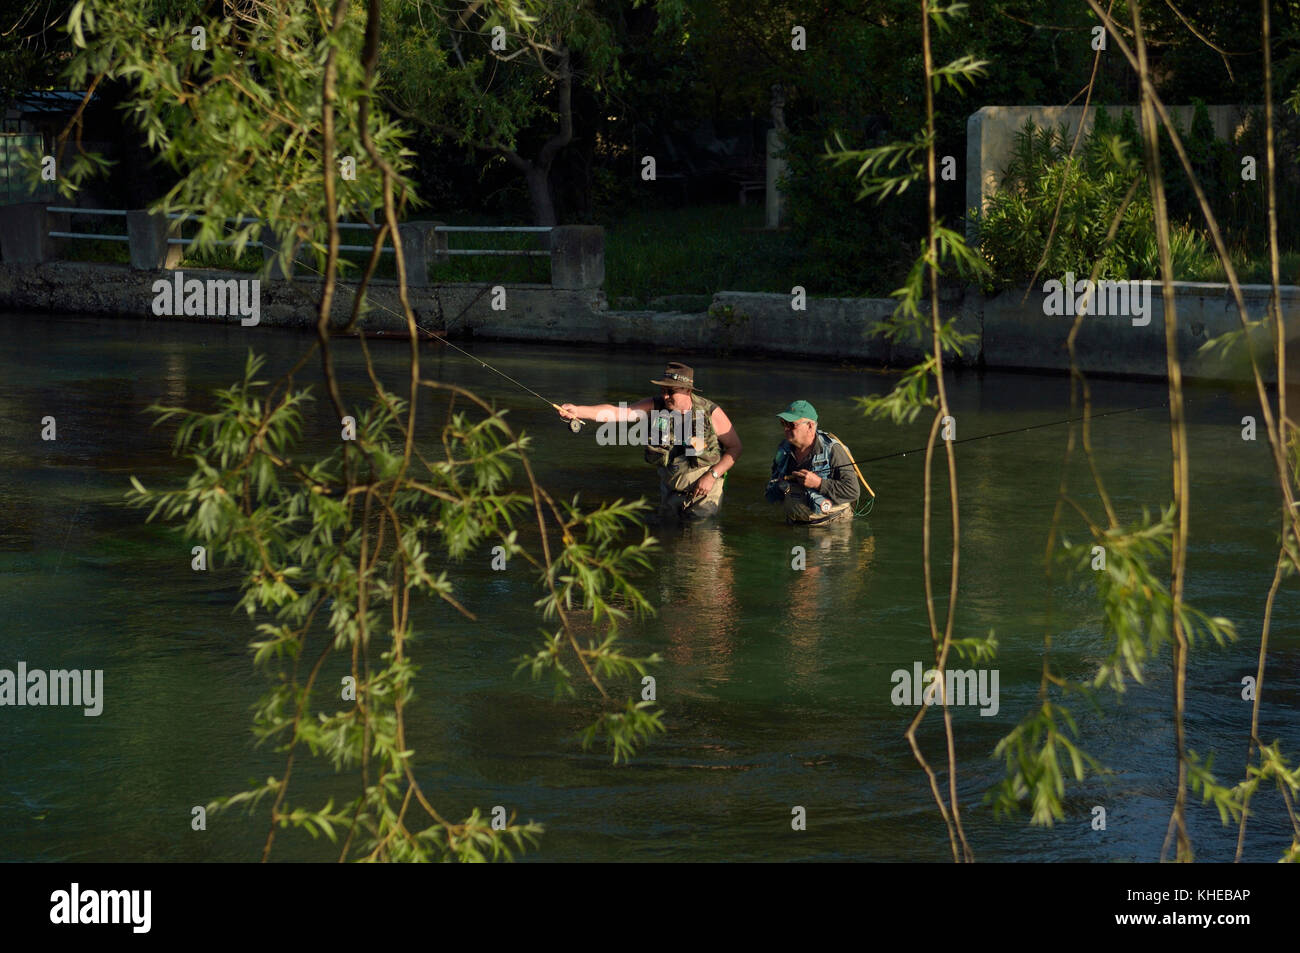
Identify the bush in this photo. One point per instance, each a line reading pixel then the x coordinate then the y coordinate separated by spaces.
pixel 1014 229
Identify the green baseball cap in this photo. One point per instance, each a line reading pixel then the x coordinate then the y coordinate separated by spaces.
pixel 798 410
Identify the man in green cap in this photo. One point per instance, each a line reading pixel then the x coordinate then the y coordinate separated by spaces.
pixel 689 439
pixel 813 474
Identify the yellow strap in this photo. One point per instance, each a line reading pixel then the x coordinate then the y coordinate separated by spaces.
pixel 855 462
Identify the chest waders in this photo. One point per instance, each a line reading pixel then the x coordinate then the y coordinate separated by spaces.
pixel 683 446
pixel 801 504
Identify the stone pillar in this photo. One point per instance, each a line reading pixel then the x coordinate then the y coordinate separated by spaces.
pixel 979 182
pixel 577 257
pixel 775 169
pixel 148 236
pixel 25 233
pixel 422 246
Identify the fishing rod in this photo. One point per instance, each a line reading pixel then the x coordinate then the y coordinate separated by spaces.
pixel 865 509
pixel 986 436
pixel 575 425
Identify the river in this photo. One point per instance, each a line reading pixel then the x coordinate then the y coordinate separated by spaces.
pixel 776 682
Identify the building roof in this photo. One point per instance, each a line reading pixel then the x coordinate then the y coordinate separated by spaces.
pixel 48 101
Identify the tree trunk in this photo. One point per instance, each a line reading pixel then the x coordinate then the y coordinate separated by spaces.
pixel 538 172
pixel 539 193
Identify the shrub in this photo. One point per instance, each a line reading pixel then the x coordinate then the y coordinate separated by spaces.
pixel 1091 189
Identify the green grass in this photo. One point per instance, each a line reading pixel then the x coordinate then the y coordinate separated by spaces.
pixel 697 251
pixel 223 258
pixel 651 254
pixel 94 249
pixel 507 270
pixel 495 268
pixel 1251 270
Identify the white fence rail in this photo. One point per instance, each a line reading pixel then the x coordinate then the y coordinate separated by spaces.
pixel 576 252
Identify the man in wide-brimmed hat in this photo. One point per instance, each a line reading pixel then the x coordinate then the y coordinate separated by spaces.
pixel 688 438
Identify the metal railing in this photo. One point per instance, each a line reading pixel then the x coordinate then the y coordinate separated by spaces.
pixel 30 233
pixel 446 229
pixel 89 211
pixel 253 243
pixel 121 212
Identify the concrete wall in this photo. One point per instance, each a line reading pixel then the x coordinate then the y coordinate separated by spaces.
pixel 832 328
pixel 116 290
pixel 1010 329
pixel 991 136
pixel 1016 333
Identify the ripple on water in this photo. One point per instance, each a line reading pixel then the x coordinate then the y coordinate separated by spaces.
pixel 776 682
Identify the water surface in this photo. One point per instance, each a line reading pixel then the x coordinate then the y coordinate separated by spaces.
pixel 776 683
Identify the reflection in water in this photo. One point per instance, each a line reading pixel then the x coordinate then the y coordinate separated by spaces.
pixel 823 597
pixel 174 379
pixel 697 598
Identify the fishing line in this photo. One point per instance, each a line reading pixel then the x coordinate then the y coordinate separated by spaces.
pixel 866 508
pixel 998 433
pixel 1003 433
pixel 1015 430
pixel 575 424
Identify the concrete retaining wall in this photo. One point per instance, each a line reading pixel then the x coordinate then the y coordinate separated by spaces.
pixel 1016 333
pixel 1010 330
pixel 533 311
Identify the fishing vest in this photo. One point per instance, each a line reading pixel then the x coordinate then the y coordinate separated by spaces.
pixel 820 462
pixel 667 444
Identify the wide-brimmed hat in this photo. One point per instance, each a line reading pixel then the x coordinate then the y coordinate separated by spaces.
pixel 677 375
